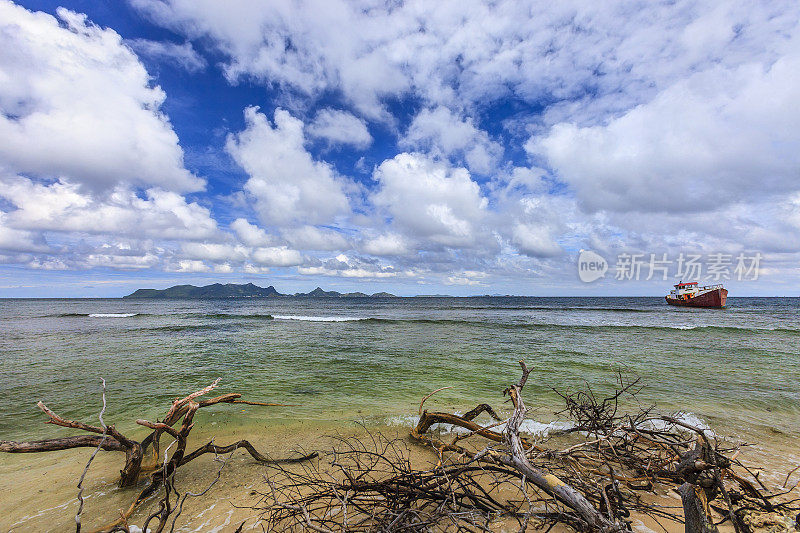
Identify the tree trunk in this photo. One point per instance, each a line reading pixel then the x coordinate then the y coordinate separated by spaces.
pixel 695 509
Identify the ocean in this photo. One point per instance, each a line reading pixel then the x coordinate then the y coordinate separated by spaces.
pixel 349 365
pixel 368 360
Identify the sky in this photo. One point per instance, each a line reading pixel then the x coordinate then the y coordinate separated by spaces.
pixel 412 147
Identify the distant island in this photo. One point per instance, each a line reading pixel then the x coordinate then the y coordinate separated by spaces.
pixel 248 290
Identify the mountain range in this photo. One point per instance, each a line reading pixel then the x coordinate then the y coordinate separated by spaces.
pixel 248 290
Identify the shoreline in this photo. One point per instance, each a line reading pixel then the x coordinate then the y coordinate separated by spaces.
pixel 41 488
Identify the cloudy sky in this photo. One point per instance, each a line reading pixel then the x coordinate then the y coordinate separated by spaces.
pixel 413 147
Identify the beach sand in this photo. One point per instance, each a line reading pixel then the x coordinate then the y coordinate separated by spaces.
pixel 40 494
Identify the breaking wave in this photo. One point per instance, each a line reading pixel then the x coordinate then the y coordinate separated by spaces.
pixel 529 427
pixel 230 316
pixel 91 315
pixel 544 429
pixel 588 327
pixel 320 318
pixel 554 308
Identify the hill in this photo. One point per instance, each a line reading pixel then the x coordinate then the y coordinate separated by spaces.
pixel 233 290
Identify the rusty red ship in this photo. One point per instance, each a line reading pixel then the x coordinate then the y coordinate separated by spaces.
pixel 692 295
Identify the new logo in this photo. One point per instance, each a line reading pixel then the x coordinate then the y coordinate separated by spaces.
pixel 591 266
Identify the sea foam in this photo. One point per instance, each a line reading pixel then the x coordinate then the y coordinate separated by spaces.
pixel 112 315
pixel 318 318
pixel 528 426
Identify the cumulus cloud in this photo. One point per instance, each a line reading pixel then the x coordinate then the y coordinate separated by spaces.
pixel 350 267
pixel 223 255
pixel 287 184
pixel 62 206
pixel 181 55
pixel 16 240
pixel 215 252
pixel 534 240
pixel 649 128
pixel 441 132
pixel 314 238
pixel 719 136
pixel 430 201
pixel 188 266
pixel 250 234
pixel 76 102
pixel 467 277
pixel 278 256
pixel 48 264
pixel 340 127
pixel 119 256
pixel 445 52
pixel 386 244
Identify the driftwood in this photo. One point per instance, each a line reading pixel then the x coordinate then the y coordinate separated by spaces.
pixel 621 466
pixel 108 438
pixel 622 456
pixel 610 466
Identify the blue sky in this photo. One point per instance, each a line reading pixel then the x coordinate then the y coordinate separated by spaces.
pixel 410 147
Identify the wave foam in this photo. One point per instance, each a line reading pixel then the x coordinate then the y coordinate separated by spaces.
pixel 530 427
pixel 112 315
pixel 318 318
pixel 685 417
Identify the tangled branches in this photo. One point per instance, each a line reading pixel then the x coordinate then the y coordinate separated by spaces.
pixel 610 468
pixel 599 416
pixel 108 438
pixel 370 485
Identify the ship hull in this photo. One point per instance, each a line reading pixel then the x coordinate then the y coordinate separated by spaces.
pixel 714 299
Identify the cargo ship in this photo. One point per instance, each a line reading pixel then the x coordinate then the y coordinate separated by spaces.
pixel 692 295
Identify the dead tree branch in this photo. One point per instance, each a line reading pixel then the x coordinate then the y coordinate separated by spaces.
pixel 108 438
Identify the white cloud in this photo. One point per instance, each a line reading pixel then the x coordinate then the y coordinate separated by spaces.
pixel 534 240
pixel 188 266
pixel 225 254
pixel 114 256
pixel 467 277
pixel 387 244
pixel 607 55
pixel 182 55
pixel 650 128
pixel 251 234
pixel 441 132
pixel 313 238
pixel 431 201
pixel 719 136
pixel 340 127
pixel 62 207
pixel 286 183
pixel 349 267
pixel 278 256
pixel 76 102
pixel 250 268
pixel 48 264
pixel 16 240
pixel 214 252
pixel 346 273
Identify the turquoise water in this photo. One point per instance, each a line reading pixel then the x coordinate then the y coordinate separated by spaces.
pixel 346 360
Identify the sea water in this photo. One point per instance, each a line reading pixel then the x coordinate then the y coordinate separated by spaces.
pixel 345 365
pixel 372 359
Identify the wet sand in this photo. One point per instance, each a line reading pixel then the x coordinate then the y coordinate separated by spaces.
pixel 39 490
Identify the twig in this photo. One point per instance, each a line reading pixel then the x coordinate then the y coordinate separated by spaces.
pixel 89 462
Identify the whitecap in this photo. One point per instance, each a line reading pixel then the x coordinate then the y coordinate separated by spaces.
pixel 112 315
pixel 685 417
pixel 317 318
pixel 528 426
